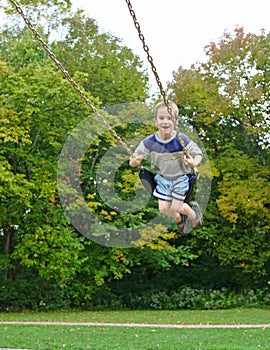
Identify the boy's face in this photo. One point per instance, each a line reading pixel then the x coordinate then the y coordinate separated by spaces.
pixel 164 123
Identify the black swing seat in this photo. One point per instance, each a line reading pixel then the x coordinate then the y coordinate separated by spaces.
pixel 147 178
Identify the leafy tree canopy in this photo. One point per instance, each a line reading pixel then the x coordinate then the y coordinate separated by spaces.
pixel 226 99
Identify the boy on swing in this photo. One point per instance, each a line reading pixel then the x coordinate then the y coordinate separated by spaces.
pixel 172 166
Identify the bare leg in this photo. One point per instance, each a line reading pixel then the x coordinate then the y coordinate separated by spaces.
pixel 175 208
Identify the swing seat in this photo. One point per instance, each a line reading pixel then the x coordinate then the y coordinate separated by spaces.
pixel 192 178
pixel 147 178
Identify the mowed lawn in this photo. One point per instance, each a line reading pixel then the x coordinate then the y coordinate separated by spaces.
pixel 104 336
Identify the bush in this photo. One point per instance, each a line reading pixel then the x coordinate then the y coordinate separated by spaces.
pixel 184 298
pixel 34 293
pixel 31 294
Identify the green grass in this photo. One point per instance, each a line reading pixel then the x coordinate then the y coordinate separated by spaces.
pixel 229 316
pixel 54 337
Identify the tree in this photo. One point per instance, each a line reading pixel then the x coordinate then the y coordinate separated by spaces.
pixel 227 100
pixel 115 74
pixel 230 91
pixel 35 120
pixel 31 139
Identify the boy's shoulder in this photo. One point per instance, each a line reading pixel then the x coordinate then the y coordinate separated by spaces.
pixel 151 138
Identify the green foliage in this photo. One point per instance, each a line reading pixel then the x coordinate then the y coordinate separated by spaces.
pixel 185 298
pixel 30 292
pixel 38 109
pixel 46 295
pixel 225 99
pixel 115 74
pixel 244 188
pixel 53 251
pixel 48 3
pixel 39 5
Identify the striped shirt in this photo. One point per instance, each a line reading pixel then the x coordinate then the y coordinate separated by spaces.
pixel 167 156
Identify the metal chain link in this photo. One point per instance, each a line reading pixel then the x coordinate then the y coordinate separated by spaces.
pixel 69 78
pixel 149 57
pixel 80 92
pixel 154 70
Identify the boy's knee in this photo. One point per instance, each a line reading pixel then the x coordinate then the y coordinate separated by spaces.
pixel 177 207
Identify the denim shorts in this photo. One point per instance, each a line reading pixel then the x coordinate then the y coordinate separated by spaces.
pixel 166 190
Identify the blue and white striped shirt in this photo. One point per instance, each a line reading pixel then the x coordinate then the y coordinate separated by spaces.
pixel 167 156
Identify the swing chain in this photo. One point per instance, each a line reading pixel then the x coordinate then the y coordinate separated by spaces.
pixel 77 88
pixel 68 76
pixel 154 70
pixel 149 57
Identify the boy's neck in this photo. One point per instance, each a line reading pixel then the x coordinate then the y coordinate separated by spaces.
pixel 166 136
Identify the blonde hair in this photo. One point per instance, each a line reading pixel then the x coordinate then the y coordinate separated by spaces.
pixel 174 109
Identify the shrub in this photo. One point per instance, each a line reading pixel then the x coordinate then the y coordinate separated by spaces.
pixel 31 294
pixel 185 298
pixel 35 293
